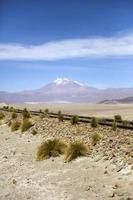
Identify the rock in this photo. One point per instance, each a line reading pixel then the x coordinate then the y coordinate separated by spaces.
pixel 105 172
pixel 126 171
pixel 119 168
pixel 14 181
pixel 7 195
pixel 111 194
pixel 131 154
pixel 116 186
pixel 5 157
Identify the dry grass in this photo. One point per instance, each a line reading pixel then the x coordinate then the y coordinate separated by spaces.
pixel 34 132
pixel 95 138
pixel 94 122
pixel 46 111
pixel 60 116
pixel 2 115
pixel 118 118
pixel 114 126
pixel 26 124
pixel 14 115
pixel 50 148
pixel 75 150
pixel 42 115
pixel 74 120
pixel 15 125
pixel 25 114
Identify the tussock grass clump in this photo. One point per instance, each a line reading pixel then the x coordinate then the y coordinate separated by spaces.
pixel 2 115
pixel 60 116
pixel 14 115
pixel 42 115
pixel 114 126
pixel 26 124
pixel 125 122
pixel 59 112
pixel 101 119
pixel 34 132
pixel 75 150
pixel 46 111
pixel 15 125
pixel 11 109
pixel 6 107
pixel 94 122
pixel 50 148
pixel 118 118
pixel 96 137
pixel 25 114
pixel 74 119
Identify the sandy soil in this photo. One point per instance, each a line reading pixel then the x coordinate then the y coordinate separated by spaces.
pixel 21 177
pixel 99 110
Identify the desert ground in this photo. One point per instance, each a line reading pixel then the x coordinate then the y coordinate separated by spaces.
pixel 107 173
pixel 98 110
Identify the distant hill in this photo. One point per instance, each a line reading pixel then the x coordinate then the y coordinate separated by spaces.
pixel 64 90
pixel 127 100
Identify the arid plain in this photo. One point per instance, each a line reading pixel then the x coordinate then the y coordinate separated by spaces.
pixel 98 110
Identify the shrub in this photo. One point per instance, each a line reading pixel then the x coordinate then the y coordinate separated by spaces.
pixel 14 115
pixel 126 123
pixel 42 115
pixel 46 111
pixel 75 150
pixel 15 125
pixel 59 112
pixel 6 107
pixel 2 115
pixel 11 109
pixel 34 132
pixel 60 116
pixel 26 124
pixel 101 120
pixel 117 118
pixel 95 138
pixel 114 126
pixel 50 148
pixel 74 120
pixel 25 114
pixel 94 122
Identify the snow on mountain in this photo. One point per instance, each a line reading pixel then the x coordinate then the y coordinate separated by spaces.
pixel 64 81
pixel 61 81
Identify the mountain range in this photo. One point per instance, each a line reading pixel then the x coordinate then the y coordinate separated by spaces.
pixel 64 90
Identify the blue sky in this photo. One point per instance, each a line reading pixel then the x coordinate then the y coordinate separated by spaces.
pixel 89 41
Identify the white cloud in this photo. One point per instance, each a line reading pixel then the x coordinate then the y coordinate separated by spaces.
pixel 71 48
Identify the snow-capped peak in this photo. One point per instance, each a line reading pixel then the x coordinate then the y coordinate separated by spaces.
pixel 61 81
pixel 64 81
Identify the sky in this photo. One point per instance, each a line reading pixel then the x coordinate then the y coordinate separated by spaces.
pixel 90 41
